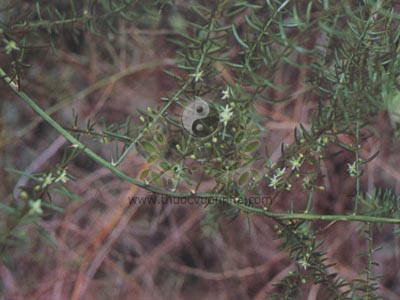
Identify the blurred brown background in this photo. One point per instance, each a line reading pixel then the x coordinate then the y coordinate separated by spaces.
pixel 107 249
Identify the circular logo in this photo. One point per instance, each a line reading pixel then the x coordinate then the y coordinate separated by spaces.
pixel 200 119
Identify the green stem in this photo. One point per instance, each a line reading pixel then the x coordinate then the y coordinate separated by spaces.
pixel 76 143
pixel 154 121
pixel 370 260
pixel 314 217
pixel 309 202
pixel 357 153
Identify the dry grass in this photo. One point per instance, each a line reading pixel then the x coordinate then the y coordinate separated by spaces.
pixel 106 248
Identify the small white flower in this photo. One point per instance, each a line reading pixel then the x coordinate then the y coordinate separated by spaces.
pixel 62 176
pixel 352 169
pixel 297 162
pixel 10 46
pixel 304 263
pixel 35 207
pixel 226 93
pixel 197 76
pixel 226 114
pixel 274 181
pixel 49 179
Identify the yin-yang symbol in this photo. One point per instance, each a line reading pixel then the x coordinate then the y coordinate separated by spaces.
pixel 200 119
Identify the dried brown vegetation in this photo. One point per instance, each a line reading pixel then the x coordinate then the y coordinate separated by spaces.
pixel 105 247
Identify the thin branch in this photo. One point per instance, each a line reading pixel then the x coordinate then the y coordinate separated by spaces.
pixel 101 161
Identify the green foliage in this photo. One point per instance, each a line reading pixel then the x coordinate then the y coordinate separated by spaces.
pixel 34 203
pixel 350 54
pixel 303 247
pixel 381 202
